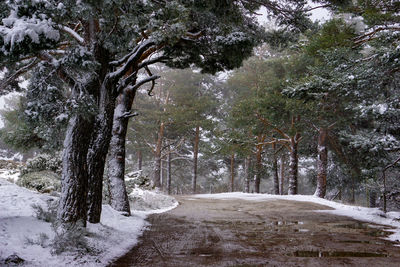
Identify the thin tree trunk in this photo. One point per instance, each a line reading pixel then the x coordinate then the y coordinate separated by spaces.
pixel 74 180
pixel 232 172
pixel 195 158
pixel 140 160
pixel 247 174
pixel 116 157
pixel 97 152
pixel 157 156
pixel 162 174
pixel 353 189
pixel 322 163
pixel 293 165
pixel 282 178
pixel 275 170
pixel 169 172
pixel 258 169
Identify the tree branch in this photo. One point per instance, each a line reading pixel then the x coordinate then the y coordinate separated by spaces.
pixel 140 83
pixel 73 34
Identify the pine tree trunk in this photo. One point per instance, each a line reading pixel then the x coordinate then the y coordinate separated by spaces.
pixel 169 173
pixel 74 181
pixel 258 169
pixel 162 174
pixel 232 172
pixel 275 170
pixel 282 178
pixel 97 152
pixel 372 198
pixel 247 174
pixel 322 163
pixel 116 157
pixel 195 158
pixel 353 188
pixel 157 157
pixel 140 159
pixel 293 166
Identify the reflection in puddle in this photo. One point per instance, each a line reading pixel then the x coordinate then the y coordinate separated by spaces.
pixel 279 223
pixel 322 254
pixel 372 230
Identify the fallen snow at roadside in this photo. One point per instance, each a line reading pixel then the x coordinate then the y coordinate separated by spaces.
pixel 20 230
pixel 372 215
pixel 148 201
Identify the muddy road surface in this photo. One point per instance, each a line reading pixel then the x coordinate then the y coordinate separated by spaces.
pixel 209 232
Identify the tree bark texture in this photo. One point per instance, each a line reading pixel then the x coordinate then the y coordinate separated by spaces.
pixel 258 168
pixel 74 180
pixel 157 156
pixel 195 158
pixel 322 163
pixel 247 174
pixel 282 174
pixel 275 170
pixel 97 152
pixel 169 172
pixel 140 159
pixel 293 165
pixel 116 157
pixel 232 172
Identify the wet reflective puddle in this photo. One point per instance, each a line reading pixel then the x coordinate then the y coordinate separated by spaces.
pixel 370 229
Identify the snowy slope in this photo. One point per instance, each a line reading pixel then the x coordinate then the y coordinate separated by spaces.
pixel 372 215
pixel 114 236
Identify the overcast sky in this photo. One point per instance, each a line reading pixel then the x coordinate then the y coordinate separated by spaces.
pixel 320 14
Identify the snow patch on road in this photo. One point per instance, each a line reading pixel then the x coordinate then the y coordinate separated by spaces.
pixel 21 231
pixel 372 215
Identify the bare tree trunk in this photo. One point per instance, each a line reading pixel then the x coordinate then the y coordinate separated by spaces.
pixel 195 158
pixel 162 174
pixel 116 157
pixel 97 152
pixel 232 172
pixel 157 156
pixel 247 174
pixel 74 180
pixel 353 188
pixel 275 170
pixel 169 172
pixel 140 159
pixel 322 163
pixel 282 178
pixel 293 165
pixel 258 169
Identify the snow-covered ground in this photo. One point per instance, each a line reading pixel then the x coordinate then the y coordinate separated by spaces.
pixel 372 215
pixel 21 233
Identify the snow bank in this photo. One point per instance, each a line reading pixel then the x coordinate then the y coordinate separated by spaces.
pixel 143 200
pixel 22 233
pixel 372 215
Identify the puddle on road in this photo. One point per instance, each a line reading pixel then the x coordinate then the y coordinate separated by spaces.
pixel 338 254
pixel 281 223
pixel 371 229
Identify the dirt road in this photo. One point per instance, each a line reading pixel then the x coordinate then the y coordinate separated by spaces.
pixel 207 232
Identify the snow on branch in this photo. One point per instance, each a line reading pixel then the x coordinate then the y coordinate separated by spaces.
pixel 151 61
pixel 370 35
pixel 73 34
pixel 19 72
pixel 128 114
pixel 117 63
pixel 133 58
